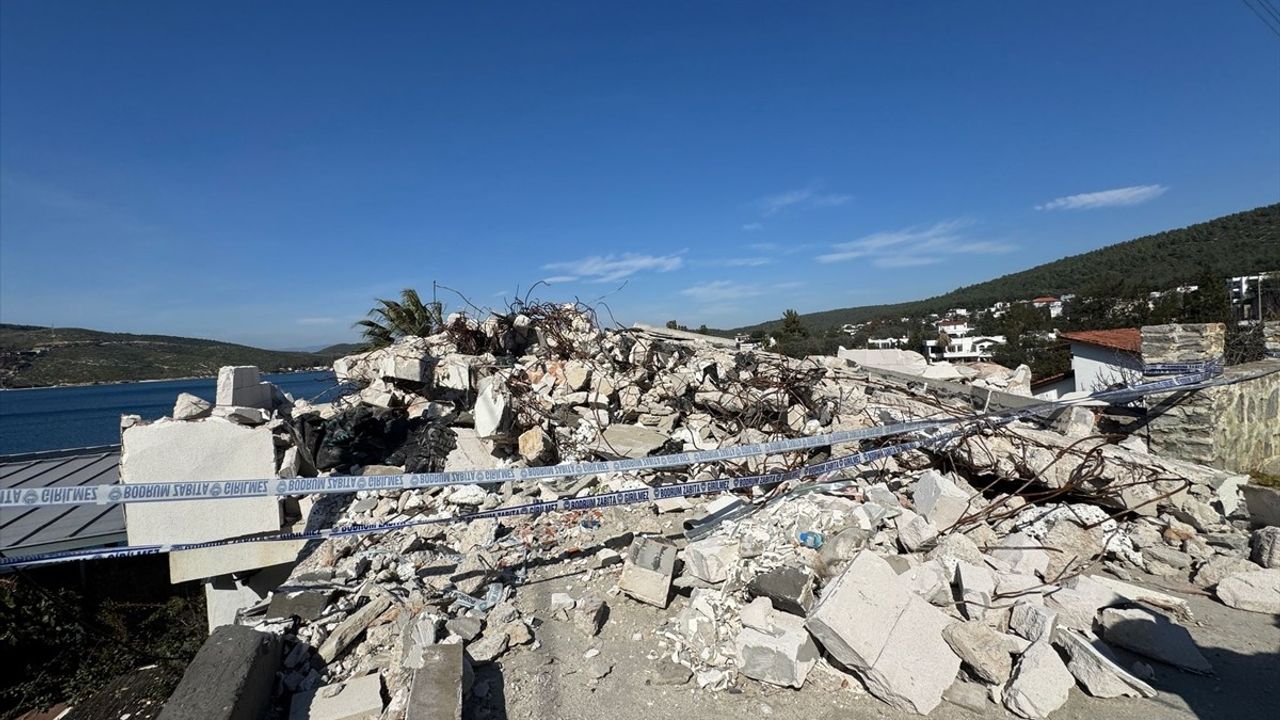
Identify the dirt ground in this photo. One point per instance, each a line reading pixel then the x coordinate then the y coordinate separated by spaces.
pixel 554 679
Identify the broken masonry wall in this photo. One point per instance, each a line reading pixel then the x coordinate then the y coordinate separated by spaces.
pixel 1232 427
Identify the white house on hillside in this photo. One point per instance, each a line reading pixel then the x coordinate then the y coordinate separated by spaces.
pixel 1103 358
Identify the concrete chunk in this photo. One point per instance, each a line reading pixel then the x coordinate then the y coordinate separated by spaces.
pixel 1255 591
pixel 241 385
pixel 709 560
pixel 230 678
pixel 789 589
pixel 782 655
pixel 871 622
pixel 1098 674
pixel 1041 683
pixel 1023 555
pixel 356 699
pixel 1265 547
pixel 940 500
pixel 647 571
pixel 1149 633
pixel 1033 622
pixel 353 627
pixel 618 442
pixel 190 407
pixel 436 690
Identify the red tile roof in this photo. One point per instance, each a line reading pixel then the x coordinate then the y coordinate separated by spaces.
pixel 1045 299
pixel 1126 339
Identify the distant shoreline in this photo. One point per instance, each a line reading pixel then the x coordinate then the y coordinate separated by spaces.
pixel 152 380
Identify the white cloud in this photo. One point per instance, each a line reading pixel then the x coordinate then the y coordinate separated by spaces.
pixel 609 268
pixel 806 198
pixel 747 262
pixel 914 246
pixel 721 291
pixel 753 226
pixel 1118 197
pixel 559 279
pixel 317 321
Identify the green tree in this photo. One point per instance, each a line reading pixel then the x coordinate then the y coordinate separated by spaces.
pixel 672 325
pixel 391 320
pixel 792 325
pixel 703 329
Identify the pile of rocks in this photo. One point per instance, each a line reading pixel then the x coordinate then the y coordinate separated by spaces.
pixel 993 571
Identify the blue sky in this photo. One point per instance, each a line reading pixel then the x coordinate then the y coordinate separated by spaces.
pixel 259 172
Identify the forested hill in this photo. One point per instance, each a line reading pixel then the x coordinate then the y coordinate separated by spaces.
pixel 1240 244
pixel 32 356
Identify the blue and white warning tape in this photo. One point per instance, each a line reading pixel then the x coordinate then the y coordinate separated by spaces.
pixel 642 495
pixel 109 494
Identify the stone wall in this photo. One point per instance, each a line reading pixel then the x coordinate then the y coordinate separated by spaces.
pixel 1233 427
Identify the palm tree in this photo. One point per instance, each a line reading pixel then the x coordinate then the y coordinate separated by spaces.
pixel 390 320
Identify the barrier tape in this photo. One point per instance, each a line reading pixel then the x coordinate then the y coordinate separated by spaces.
pixel 168 491
pixel 622 497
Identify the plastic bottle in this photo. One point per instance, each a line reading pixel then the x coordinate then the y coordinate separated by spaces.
pixel 811 538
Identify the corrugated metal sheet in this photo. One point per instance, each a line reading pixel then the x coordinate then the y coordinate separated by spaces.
pixel 25 531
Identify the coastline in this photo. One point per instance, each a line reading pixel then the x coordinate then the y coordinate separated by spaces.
pixel 154 380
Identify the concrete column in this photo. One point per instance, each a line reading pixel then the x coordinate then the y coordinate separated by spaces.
pixel 1271 336
pixel 1181 425
pixel 1183 343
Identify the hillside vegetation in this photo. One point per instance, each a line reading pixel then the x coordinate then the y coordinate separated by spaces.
pixel 1240 244
pixel 33 356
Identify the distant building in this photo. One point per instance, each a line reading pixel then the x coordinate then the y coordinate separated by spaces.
pixel 955 327
pixel 1103 358
pixel 965 349
pixel 1254 297
pixel 886 343
pixel 1048 301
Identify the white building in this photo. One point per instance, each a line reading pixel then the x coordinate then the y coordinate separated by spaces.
pixel 1048 301
pixel 1104 358
pixel 961 349
pixel 955 327
pixel 886 343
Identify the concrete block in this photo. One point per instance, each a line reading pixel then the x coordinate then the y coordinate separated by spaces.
pixel 201 450
pixel 1149 633
pixel 210 562
pixel 241 385
pixel 1041 683
pixel 869 620
pixel 781 655
pixel 355 699
pixel 470 453
pixel 983 650
pixel 1265 547
pixel 230 678
pixel 353 627
pixel 492 414
pixel 1262 503
pixel 976 586
pixel 1033 621
pixel 435 693
pixel 914 531
pixel 305 603
pixel 940 500
pixel 789 589
pixel 225 595
pixel 619 442
pixel 647 571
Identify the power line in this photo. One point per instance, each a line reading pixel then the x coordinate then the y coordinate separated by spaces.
pixel 1270 9
pixel 1269 17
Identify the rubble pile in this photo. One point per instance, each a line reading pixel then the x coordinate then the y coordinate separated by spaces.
pixel 996 571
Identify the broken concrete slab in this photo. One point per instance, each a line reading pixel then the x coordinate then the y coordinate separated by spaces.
pixel 356 699
pixel 869 620
pixel 976 587
pixel 303 603
pixel 352 628
pixel 1023 554
pixel 200 450
pixel 435 692
pixel 983 650
pixel 1255 591
pixel 492 410
pixel 1041 683
pixel 1096 672
pixel 619 442
pixel 210 562
pixel 241 385
pixel 782 655
pixel 230 678
pixel 1218 567
pixel 1153 635
pixel 914 531
pixel 536 446
pixel 647 571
